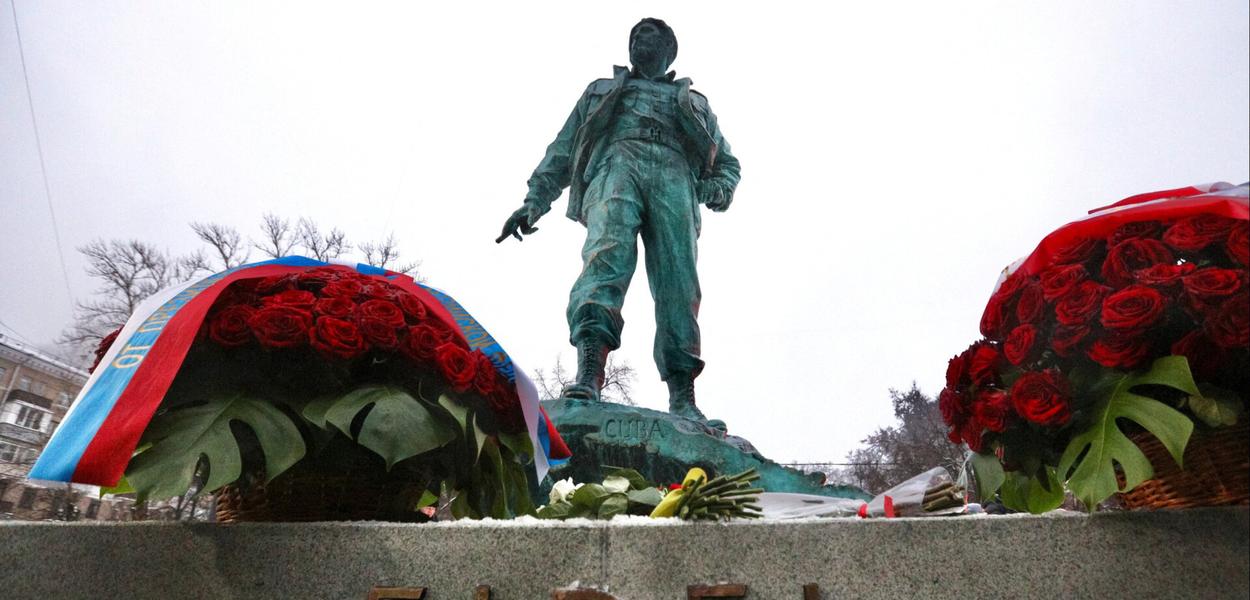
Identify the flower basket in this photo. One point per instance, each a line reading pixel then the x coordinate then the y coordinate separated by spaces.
pixel 1113 355
pixel 343 483
pixel 1216 473
pixel 298 391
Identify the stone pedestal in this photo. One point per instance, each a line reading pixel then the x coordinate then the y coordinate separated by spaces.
pixel 663 447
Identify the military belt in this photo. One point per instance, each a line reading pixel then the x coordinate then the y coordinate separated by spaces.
pixel 649 134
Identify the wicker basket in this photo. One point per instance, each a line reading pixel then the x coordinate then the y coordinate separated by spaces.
pixel 342 483
pixel 1217 471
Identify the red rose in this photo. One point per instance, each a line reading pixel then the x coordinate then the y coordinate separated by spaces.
pixel 1078 251
pixel 317 278
pixel 276 283
pixel 423 341
pixel 1116 351
pixel 337 338
pixel 993 320
pixel 984 364
pixel 382 310
pixel 1133 309
pixel 1133 255
pixel 953 406
pixel 379 333
pixel 339 307
pixel 1042 398
pixel 971 432
pixel 413 308
pixel 1080 305
pixel 229 327
pixel 992 409
pixel 378 290
pixel 348 287
pixel 1238 244
pixel 1212 285
pixel 1229 325
pixel 1020 344
pixel 1194 233
pixel 239 292
pixel 301 299
pixel 456 365
pixel 1030 304
pixel 1138 229
pixel 1163 274
pixel 1067 338
pixel 485 379
pixel 957 371
pixel 103 347
pixel 1204 356
pixel 281 326
pixel 506 406
pixel 1059 280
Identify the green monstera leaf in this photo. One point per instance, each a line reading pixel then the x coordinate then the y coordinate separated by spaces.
pixel 1091 457
pixel 180 437
pixel 1024 493
pixel 397 427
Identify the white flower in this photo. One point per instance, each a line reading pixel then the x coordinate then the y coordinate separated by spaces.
pixel 562 490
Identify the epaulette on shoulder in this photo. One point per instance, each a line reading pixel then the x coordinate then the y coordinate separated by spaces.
pixel 599 86
pixel 697 96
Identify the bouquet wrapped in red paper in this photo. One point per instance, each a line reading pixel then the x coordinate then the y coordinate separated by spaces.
pixel 1135 318
pixel 244 376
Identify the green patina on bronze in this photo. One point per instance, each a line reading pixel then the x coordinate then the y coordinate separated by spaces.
pixel 639 153
pixel 663 447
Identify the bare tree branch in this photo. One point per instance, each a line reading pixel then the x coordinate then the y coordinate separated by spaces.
pixel 385 254
pixel 277 238
pixel 225 241
pixel 322 247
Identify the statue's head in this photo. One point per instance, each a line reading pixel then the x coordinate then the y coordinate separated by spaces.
pixel 652 39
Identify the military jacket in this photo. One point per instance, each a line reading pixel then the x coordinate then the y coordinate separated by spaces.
pixel 582 140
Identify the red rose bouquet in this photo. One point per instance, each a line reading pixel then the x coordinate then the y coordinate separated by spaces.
pixel 324 365
pixel 1137 318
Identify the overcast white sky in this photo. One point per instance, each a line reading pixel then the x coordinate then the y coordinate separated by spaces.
pixel 895 157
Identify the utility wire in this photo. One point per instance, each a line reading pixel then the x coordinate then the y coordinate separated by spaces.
pixel 43 169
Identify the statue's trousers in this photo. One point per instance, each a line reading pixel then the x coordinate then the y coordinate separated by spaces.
pixel 641 189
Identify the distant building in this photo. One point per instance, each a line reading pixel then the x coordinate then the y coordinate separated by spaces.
pixel 36 390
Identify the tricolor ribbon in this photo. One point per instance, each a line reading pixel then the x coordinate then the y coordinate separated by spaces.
pixel 97 437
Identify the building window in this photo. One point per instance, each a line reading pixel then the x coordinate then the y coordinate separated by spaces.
pixel 30 418
pixel 3 370
pixel 9 452
pixel 24 384
pixel 93 509
pixel 28 498
pixel 38 388
pixel 63 399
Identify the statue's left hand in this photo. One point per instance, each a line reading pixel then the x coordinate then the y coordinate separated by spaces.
pixel 714 196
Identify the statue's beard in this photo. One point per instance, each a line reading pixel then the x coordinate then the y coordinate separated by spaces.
pixel 641 54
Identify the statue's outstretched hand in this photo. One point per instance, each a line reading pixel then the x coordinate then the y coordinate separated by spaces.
pixel 714 196
pixel 521 222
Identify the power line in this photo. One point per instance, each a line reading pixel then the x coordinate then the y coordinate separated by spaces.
pixel 43 169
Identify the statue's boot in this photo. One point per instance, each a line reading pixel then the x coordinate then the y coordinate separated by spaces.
pixel 591 359
pixel 681 403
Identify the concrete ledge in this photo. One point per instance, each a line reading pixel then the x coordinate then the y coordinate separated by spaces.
pixel 1192 554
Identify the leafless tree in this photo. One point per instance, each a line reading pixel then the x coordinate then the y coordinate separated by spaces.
pixel 617 387
pixel 385 254
pixel 322 247
pixel 225 241
pixel 915 444
pixel 128 272
pixel 277 237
